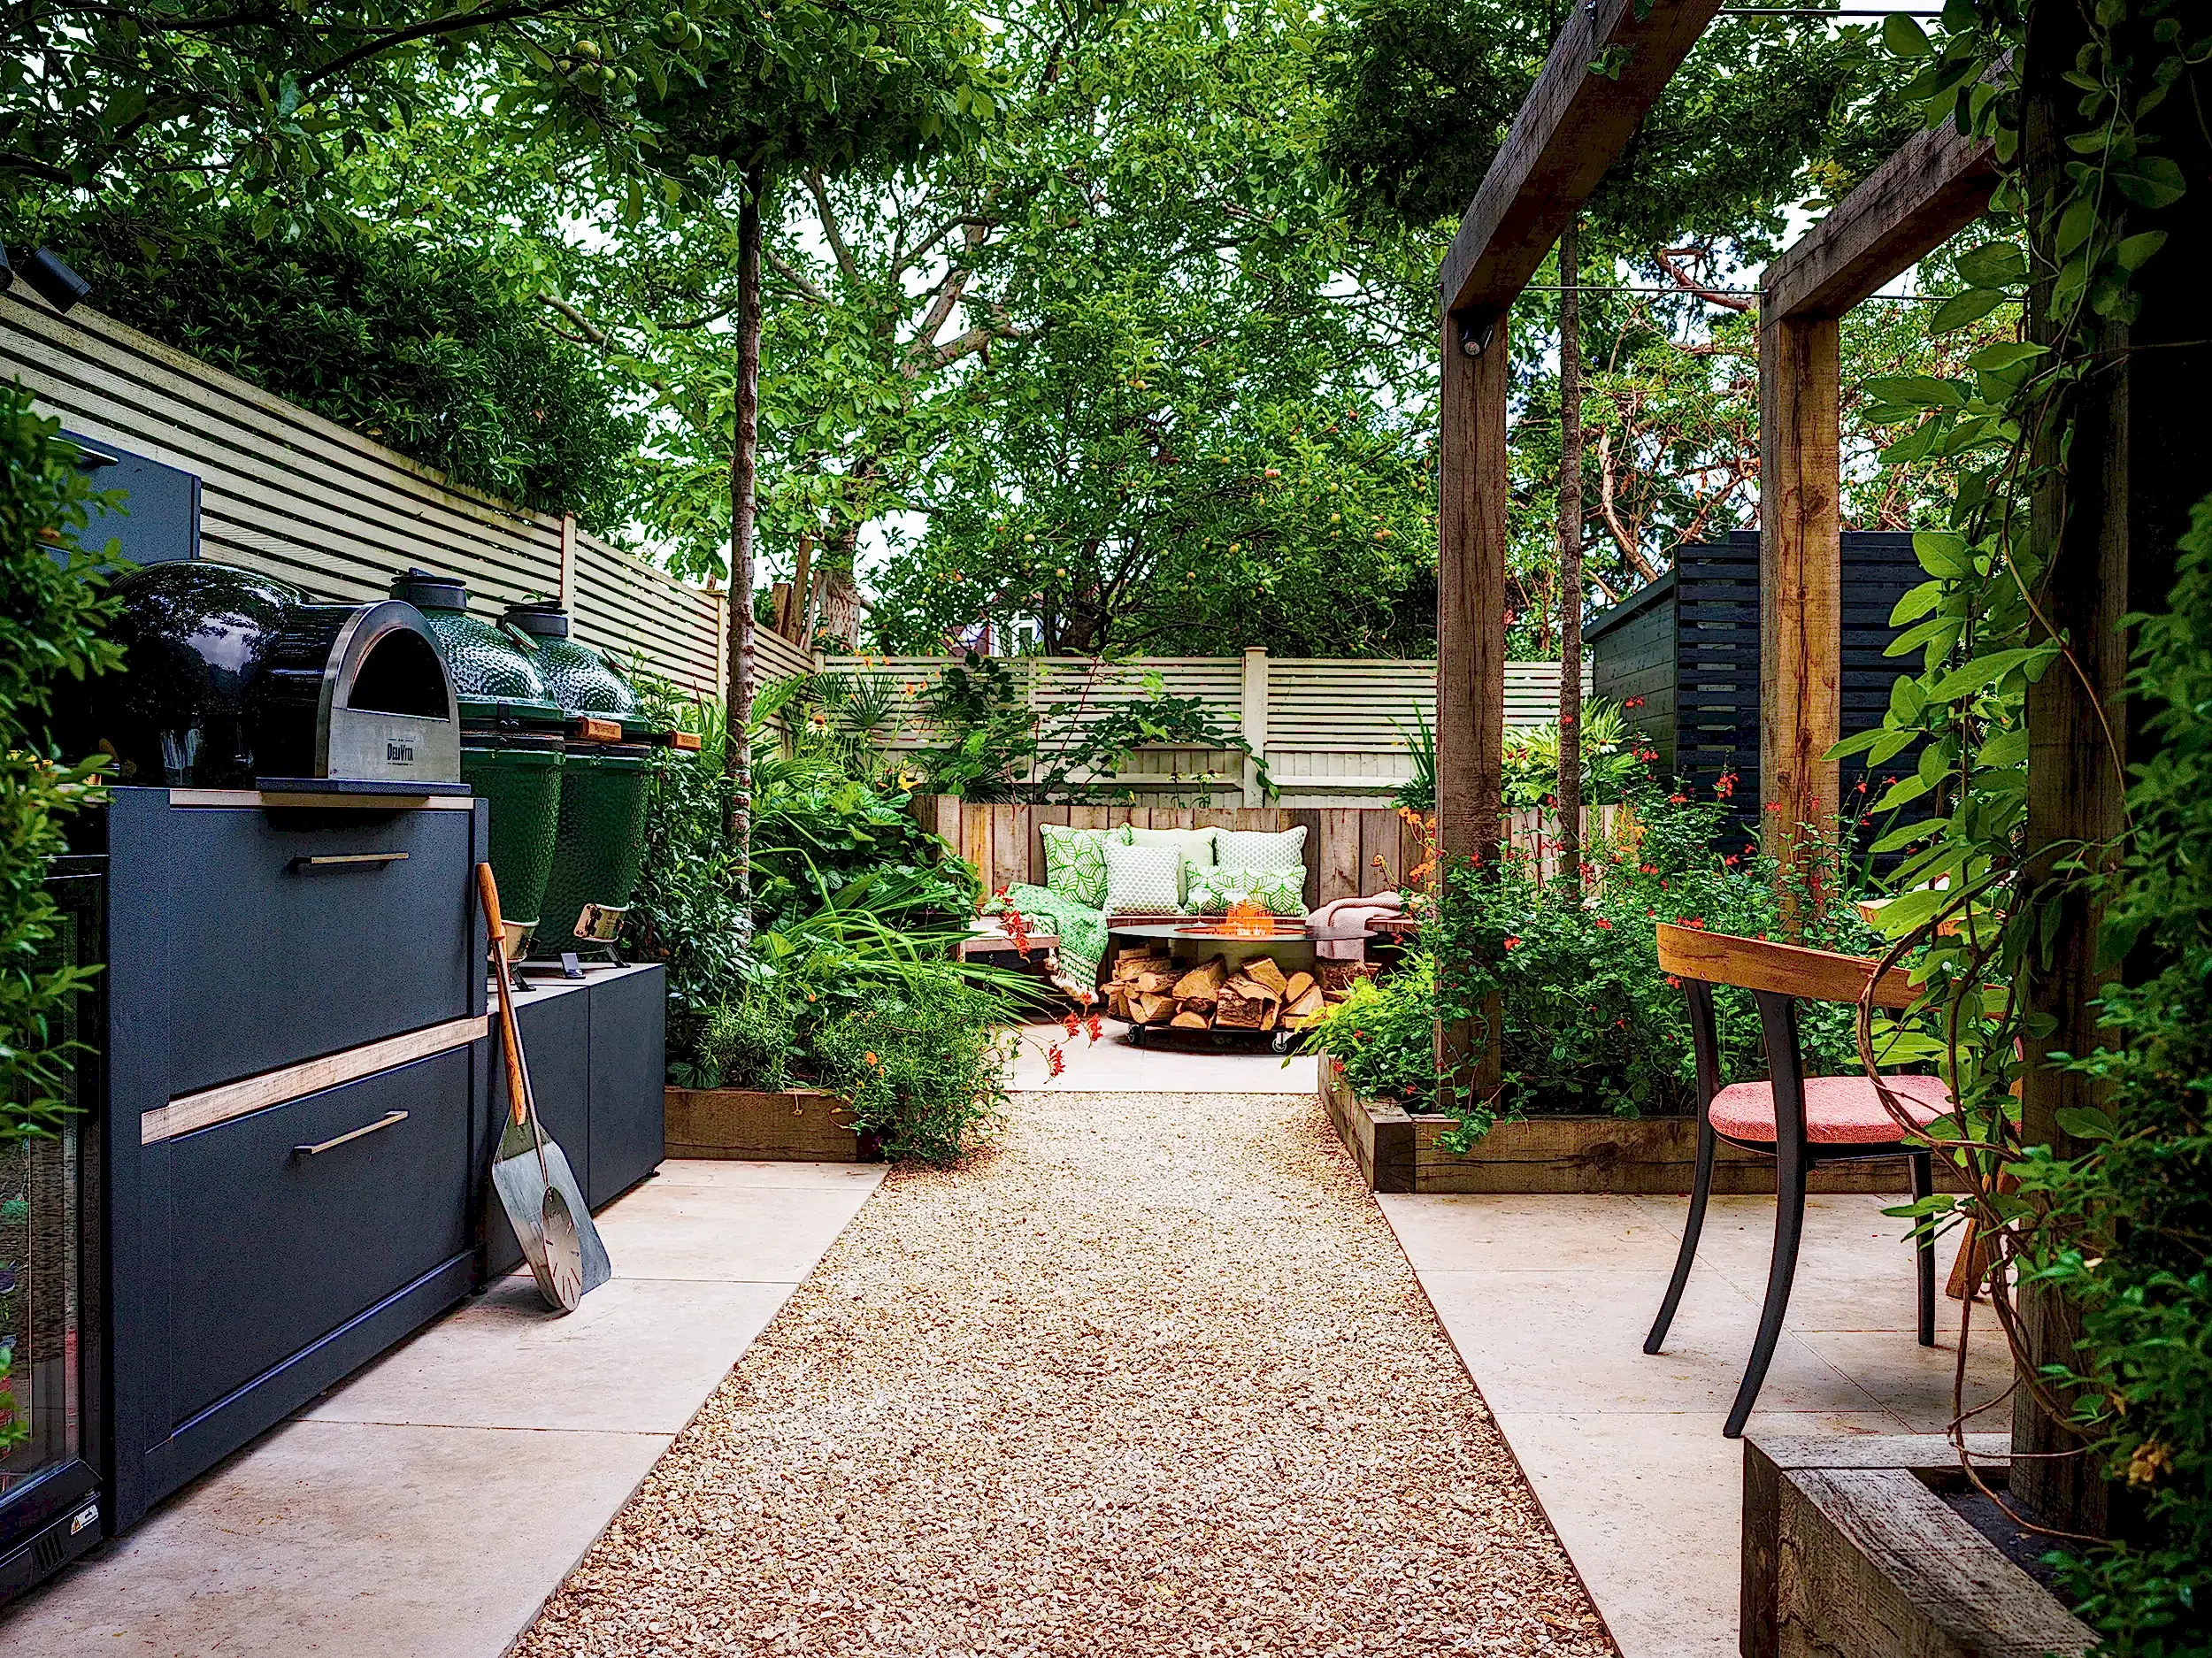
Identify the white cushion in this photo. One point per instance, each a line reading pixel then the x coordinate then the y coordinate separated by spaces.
pixel 1196 845
pixel 1143 880
pixel 1259 849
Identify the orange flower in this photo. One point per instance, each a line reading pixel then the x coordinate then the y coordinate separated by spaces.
pixel 872 1059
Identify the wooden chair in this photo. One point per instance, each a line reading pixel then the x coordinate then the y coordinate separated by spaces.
pixel 1799 1121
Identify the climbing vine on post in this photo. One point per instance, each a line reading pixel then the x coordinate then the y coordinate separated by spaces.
pixel 2022 890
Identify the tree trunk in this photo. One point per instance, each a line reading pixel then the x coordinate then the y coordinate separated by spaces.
pixel 1570 789
pixel 737 754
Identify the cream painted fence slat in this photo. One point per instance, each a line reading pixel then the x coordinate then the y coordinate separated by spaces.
pixel 307 501
pixel 1333 732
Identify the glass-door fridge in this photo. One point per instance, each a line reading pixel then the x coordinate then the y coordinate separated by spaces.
pixel 50 1432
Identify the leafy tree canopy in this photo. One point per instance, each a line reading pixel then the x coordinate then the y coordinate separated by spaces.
pixel 1763 113
pixel 265 104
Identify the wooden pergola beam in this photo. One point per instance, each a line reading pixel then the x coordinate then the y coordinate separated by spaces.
pixel 1934 186
pixel 1574 123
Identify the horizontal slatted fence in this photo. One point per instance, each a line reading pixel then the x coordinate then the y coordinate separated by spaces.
pixel 308 501
pixel 1334 732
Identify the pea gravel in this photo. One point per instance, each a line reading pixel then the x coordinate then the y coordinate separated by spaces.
pixel 1148 1376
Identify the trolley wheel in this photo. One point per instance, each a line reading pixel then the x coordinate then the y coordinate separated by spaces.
pixel 1278 1043
pixel 1136 1034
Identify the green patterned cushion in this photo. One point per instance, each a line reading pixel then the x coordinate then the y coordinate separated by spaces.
pixel 1075 861
pixel 1281 892
pixel 1143 880
pixel 1196 845
pixel 1258 849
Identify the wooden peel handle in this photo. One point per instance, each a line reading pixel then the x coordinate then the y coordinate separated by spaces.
pixel 488 892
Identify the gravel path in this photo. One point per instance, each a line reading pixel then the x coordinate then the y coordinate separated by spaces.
pixel 1149 1377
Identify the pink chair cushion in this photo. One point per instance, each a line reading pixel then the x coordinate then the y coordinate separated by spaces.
pixel 1838 1110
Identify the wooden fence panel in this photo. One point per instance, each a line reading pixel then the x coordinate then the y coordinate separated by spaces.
pixel 1339 855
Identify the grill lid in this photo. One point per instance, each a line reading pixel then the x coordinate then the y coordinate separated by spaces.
pixel 579 678
pixel 194 638
pixel 493 681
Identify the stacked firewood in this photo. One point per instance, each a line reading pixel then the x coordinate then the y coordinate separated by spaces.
pixel 1148 988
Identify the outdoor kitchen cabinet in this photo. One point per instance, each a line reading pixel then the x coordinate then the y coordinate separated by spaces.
pixel 597 1048
pixel 296 1132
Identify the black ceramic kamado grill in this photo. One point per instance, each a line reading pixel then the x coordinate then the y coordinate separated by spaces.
pixel 232 680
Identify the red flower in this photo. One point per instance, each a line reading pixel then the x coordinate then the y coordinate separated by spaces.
pixel 1071 1024
pixel 1092 1025
pixel 1513 944
pixel 1055 1061
pixel 1604 925
pixel 1673 983
pixel 1677 800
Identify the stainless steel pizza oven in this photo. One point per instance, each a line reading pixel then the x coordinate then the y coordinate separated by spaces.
pixel 357 694
pixel 232 680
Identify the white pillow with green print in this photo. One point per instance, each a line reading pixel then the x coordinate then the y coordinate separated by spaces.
pixel 1196 845
pixel 1261 849
pixel 1280 892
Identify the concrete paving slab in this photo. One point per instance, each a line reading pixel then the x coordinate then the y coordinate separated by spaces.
pixel 725 1233
pixel 1602 1479
pixel 1914 1383
pixel 1583 1351
pixel 754 1174
pixel 636 1357
pixel 1444 1234
pixel 426 1508
pixel 347 1540
pixel 1548 1301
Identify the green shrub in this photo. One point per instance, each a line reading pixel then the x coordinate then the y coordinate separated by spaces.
pixel 1591 1025
pixel 427 350
pixel 51 613
pixel 1615 760
pixel 925 1073
pixel 2141 1195
pixel 684 911
pixel 991 745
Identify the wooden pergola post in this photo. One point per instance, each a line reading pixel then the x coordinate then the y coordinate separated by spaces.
pixel 1569 130
pixel 1471 533
pixel 1800 575
pixel 1934 187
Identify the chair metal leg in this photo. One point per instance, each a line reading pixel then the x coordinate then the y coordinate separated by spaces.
pixel 1789 1228
pixel 1701 1188
pixel 1922 1184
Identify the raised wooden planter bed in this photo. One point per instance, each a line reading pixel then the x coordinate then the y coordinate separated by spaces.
pixel 800 1125
pixel 1397 1151
pixel 1869 1546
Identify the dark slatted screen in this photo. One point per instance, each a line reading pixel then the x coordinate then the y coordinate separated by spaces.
pixel 1717 656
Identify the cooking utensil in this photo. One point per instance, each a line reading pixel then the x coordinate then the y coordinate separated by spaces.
pixel 530 1172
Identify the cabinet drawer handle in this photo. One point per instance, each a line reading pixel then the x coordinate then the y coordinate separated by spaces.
pixel 389 1119
pixel 345 861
